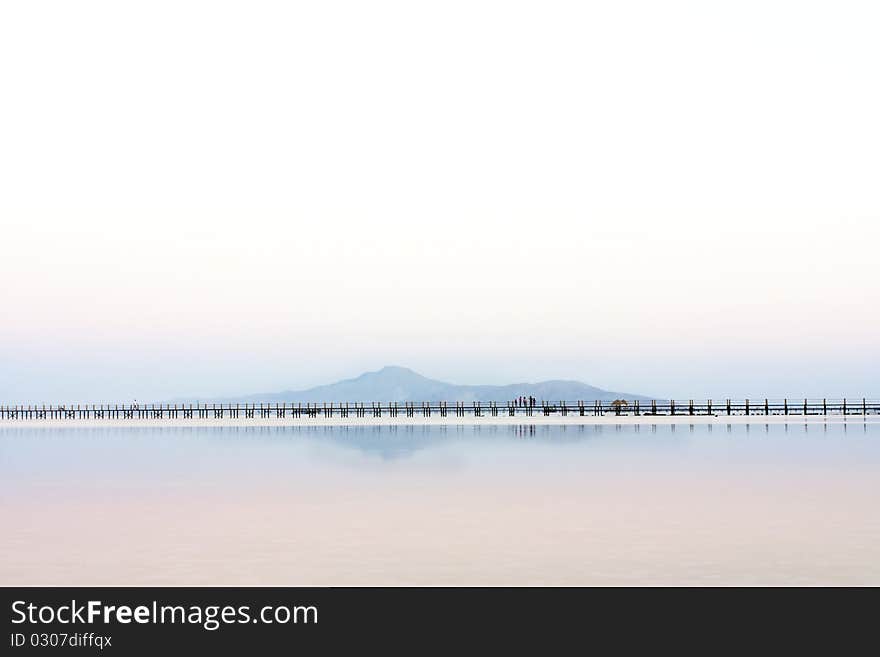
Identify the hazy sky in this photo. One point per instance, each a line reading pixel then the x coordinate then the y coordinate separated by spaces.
pixel 676 198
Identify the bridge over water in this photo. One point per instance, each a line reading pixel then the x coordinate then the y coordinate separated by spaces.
pixel 442 409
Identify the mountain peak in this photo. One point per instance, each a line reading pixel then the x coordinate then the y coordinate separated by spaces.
pixel 396 369
pixel 391 372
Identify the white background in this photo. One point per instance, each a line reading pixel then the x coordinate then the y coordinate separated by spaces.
pixel 204 198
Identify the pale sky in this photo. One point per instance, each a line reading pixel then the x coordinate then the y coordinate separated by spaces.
pixel 211 198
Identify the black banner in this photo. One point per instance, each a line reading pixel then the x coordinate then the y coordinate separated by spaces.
pixel 150 621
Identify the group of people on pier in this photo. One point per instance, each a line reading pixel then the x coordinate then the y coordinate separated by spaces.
pixel 524 401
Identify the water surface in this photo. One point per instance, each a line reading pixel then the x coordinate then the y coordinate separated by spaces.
pixel 746 504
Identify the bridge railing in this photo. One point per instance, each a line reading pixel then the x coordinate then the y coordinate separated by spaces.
pixel 411 409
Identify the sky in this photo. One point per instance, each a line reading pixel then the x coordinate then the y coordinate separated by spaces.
pixel 219 198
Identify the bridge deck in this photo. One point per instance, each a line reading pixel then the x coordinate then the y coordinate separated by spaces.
pixel 343 410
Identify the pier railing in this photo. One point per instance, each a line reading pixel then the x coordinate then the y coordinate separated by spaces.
pixel 476 409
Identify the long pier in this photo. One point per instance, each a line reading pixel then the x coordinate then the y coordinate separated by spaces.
pixel 457 409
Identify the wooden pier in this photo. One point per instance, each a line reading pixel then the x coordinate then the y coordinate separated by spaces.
pixel 595 408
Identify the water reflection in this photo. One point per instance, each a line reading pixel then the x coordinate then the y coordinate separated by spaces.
pixel 521 504
pixel 68 451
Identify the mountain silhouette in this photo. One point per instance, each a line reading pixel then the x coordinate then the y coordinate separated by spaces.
pixel 399 384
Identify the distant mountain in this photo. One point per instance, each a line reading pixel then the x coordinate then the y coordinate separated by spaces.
pixel 402 384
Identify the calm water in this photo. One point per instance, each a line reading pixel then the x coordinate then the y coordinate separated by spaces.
pixel 750 504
